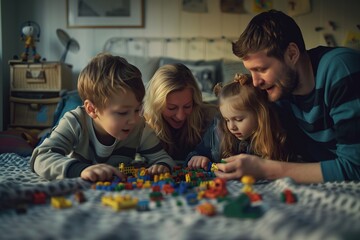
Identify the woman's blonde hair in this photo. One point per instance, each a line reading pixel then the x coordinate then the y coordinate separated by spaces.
pixel 268 140
pixel 104 75
pixel 167 79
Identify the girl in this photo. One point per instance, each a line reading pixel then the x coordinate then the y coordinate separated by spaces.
pixel 249 124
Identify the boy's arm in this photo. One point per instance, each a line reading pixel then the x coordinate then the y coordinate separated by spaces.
pixel 151 148
pixel 50 159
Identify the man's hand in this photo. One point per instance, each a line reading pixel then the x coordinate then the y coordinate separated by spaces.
pixel 240 165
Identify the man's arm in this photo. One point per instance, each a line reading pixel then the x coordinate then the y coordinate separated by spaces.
pixel 245 164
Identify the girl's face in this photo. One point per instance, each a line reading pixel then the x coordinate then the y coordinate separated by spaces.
pixel 179 105
pixel 118 118
pixel 242 124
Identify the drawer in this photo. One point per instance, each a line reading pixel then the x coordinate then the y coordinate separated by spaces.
pixel 49 76
pixel 37 113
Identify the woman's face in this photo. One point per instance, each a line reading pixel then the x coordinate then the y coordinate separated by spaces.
pixel 179 105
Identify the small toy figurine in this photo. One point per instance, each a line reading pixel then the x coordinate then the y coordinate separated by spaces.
pixel 60 202
pixel 80 197
pixel 218 190
pixel 288 197
pixel 39 198
pixel 214 167
pixel 29 36
pixel 206 209
pixel 248 181
pixel 119 202
pixel 241 207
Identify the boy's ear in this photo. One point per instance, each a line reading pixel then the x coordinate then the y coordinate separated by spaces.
pixel 90 108
pixel 292 54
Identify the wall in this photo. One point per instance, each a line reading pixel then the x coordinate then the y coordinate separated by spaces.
pixel 9 41
pixel 163 18
pixel 1 75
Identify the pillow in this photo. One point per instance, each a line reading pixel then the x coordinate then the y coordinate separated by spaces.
pixel 206 73
pixel 230 68
pixel 69 101
pixel 19 141
pixel 146 65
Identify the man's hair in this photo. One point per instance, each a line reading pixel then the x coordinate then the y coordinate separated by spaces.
pixel 104 75
pixel 271 31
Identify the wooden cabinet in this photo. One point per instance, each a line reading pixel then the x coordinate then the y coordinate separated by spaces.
pixel 35 91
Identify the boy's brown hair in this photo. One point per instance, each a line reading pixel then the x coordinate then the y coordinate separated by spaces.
pixel 104 75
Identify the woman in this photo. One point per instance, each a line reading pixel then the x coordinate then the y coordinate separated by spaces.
pixel 173 107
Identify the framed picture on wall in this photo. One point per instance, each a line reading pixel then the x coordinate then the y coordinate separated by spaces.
pixel 105 13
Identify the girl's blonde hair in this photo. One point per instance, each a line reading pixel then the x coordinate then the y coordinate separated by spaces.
pixel 167 79
pixel 104 75
pixel 268 140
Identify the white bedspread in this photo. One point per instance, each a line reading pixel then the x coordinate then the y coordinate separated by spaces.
pixel 323 211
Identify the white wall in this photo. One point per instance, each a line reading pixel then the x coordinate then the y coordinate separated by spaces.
pixel 163 18
pixel 1 76
pixel 9 41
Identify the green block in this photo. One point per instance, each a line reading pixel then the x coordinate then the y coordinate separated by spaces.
pixel 241 208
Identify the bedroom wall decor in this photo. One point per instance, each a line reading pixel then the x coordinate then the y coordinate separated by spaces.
pixel 195 6
pixel 298 7
pixel 105 13
pixel 262 5
pixel 232 6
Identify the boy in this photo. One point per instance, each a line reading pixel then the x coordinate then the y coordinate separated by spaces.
pixel 90 141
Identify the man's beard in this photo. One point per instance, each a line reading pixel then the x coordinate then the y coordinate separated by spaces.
pixel 289 83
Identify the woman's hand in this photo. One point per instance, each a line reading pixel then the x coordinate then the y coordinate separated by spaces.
pixel 101 172
pixel 197 162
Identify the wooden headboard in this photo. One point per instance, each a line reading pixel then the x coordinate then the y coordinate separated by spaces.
pixel 181 48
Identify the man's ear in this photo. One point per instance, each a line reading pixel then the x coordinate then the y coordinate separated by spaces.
pixel 90 108
pixel 292 54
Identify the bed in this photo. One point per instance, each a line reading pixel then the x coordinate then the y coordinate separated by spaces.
pixel 322 211
pixel 210 59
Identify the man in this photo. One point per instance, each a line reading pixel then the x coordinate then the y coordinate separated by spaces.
pixel 318 92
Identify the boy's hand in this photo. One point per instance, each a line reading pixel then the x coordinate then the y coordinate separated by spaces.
pixel 101 172
pixel 157 169
pixel 197 162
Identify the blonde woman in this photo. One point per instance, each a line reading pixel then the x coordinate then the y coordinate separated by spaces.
pixel 173 107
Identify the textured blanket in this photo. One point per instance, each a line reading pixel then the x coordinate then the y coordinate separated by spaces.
pixel 322 211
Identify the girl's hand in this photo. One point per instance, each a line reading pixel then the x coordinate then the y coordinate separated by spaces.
pixel 157 169
pixel 101 172
pixel 197 162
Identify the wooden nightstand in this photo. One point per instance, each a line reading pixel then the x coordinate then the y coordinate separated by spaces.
pixel 35 90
